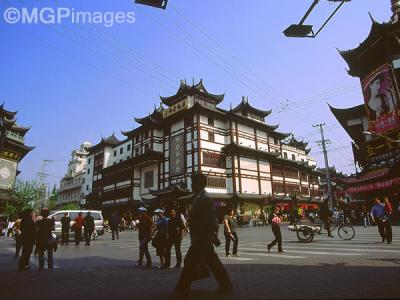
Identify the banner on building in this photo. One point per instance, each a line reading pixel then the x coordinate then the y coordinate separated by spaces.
pixel 177 155
pixel 8 171
pixel 381 100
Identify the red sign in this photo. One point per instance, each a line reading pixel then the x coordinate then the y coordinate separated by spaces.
pixel 373 186
pixel 381 100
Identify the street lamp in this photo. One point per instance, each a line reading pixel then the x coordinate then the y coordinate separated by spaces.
pixel 381 135
pixel 155 3
pixel 306 31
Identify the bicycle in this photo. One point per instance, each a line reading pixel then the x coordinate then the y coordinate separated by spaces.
pixel 306 233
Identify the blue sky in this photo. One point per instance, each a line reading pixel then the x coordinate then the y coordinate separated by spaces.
pixel 76 82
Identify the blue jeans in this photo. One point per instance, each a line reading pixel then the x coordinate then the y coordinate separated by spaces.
pixel 366 221
pixel 50 260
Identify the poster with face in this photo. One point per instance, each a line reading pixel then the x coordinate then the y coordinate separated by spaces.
pixel 381 100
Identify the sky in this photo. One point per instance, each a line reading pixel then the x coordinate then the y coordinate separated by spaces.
pixel 78 82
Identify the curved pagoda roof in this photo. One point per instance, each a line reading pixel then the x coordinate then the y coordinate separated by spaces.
pixel 6 113
pixel 195 89
pixel 153 118
pixel 112 140
pixel 293 142
pixel 343 115
pixel 366 57
pixel 244 106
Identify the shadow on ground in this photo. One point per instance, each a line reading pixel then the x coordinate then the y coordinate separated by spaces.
pixel 114 279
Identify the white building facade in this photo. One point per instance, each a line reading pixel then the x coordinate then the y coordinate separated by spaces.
pixel 71 185
pixel 242 156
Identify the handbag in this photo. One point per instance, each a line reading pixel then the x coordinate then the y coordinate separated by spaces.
pixel 201 272
pixel 156 240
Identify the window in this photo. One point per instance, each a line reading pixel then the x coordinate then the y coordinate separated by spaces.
pixel 129 157
pixel 293 157
pixel 146 147
pixel 167 131
pixel 188 122
pixel 137 139
pixel 137 151
pixel 121 150
pixel 148 179
pixel 291 173
pixel 88 171
pixel 57 217
pixel 146 134
pixel 128 148
pixel 89 161
pixel 87 187
pixel 115 153
pixel 213 159
pixel 284 155
pixel 120 160
pixel 210 121
pixel 216 182
pixel 211 137
pixel 278 187
pixel 277 170
pixel 276 141
pixel 303 176
pixel 292 188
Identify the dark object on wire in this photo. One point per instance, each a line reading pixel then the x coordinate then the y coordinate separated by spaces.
pixel 306 31
pixel 155 3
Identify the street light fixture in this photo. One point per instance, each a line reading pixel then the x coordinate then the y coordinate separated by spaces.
pixel 306 31
pixel 155 3
pixel 381 135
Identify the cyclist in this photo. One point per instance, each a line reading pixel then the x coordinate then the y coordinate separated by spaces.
pixel 325 214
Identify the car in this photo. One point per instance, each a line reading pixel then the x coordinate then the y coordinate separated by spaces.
pixel 96 214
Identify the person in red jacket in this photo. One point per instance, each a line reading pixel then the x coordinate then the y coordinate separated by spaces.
pixel 78 223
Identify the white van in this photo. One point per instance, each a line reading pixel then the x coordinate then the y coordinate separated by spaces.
pixel 96 214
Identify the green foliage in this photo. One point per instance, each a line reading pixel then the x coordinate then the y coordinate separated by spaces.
pixel 24 194
pixel 52 201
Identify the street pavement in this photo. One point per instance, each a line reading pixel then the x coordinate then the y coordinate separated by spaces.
pixel 326 268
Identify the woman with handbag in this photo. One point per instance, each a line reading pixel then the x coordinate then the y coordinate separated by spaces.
pixel 45 241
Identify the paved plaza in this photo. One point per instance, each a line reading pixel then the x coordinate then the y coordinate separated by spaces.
pixel 325 268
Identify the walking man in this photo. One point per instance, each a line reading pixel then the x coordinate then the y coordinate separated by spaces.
pixel 275 222
pixel 115 220
pixel 145 227
pixel 65 228
pixel 28 232
pixel 379 217
pixel 175 234
pixel 45 240
pixel 89 227
pixel 230 233
pixel 78 223
pixel 203 227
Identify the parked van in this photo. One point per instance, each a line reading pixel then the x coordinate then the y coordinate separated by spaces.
pixel 96 214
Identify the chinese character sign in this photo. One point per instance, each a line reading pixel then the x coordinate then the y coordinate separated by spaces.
pixel 381 100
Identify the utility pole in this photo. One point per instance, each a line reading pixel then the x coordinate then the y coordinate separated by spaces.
pixel 323 142
pixel 41 176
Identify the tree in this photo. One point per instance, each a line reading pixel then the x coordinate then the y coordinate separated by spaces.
pixel 51 203
pixel 70 206
pixel 23 194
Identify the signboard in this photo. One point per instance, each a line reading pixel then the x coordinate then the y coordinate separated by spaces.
pixel 374 186
pixel 177 155
pixel 8 171
pixel 176 108
pixel 9 154
pixel 381 100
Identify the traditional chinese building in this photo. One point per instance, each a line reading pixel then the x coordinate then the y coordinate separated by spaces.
pixel 375 125
pixel 12 150
pixel 243 157
pixel 70 191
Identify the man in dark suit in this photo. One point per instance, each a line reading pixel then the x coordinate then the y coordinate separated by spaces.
pixel 203 226
pixel 65 228
pixel 89 227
